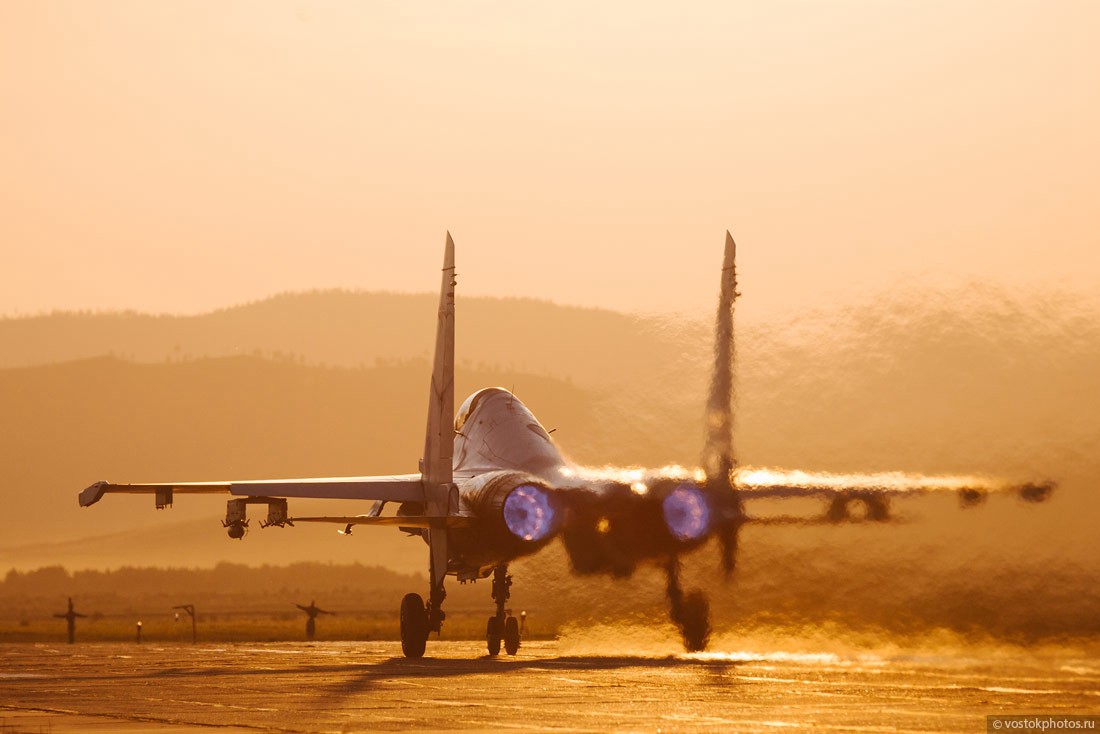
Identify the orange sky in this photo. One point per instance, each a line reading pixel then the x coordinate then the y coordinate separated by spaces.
pixel 179 156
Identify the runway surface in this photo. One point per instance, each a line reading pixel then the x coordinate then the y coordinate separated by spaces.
pixel 549 686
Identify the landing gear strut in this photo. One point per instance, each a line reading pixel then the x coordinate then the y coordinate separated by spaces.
pixel 502 627
pixel 418 620
pixel 689 613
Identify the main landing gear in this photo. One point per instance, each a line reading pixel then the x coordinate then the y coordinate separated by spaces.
pixel 414 626
pixel 502 627
pixel 690 613
pixel 418 621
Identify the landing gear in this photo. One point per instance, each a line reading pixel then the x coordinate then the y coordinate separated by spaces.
pixel 417 619
pixel 694 624
pixel 502 626
pixel 689 613
pixel 511 635
pixel 414 626
pixel 494 633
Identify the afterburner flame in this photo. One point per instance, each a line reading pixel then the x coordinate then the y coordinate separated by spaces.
pixel 686 512
pixel 528 513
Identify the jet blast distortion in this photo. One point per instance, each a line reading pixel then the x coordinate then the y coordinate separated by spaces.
pixel 492 486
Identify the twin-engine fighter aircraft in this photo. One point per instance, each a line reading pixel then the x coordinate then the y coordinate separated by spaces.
pixel 493 487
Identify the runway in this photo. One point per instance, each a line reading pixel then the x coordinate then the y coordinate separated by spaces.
pixel 549 686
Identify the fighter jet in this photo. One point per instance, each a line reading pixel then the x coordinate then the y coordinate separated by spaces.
pixel 493 486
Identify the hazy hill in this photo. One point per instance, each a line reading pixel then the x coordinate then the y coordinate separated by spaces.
pixel 344 328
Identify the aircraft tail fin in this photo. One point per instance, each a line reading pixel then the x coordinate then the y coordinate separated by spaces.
pixel 436 471
pixel 718 456
pixel 719 459
pixel 437 465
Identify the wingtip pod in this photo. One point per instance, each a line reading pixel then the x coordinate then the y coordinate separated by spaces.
pixel 92 494
pixel 1037 491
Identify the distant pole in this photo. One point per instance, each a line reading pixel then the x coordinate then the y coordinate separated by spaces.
pixel 190 609
pixel 139 632
pixel 70 617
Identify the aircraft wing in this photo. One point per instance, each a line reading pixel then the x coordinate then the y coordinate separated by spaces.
pixel 769 483
pixel 402 521
pixel 396 488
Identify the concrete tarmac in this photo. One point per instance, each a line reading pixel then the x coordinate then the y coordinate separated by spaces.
pixel 549 686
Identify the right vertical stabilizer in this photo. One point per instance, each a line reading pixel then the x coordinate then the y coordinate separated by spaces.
pixel 718 455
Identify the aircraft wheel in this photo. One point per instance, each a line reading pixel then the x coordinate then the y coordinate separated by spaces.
pixel 696 626
pixel 493 634
pixel 414 626
pixel 511 635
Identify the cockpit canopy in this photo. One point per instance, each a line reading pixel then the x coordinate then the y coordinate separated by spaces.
pixel 518 440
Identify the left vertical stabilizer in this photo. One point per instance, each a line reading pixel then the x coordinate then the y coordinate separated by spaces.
pixel 439 440
pixel 437 471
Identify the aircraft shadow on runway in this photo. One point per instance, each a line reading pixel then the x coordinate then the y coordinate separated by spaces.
pixel 364 677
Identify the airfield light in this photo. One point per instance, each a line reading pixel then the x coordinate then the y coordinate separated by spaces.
pixel 528 513
pixel 687 512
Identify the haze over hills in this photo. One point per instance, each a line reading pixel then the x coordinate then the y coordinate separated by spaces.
pixel 355 329
pixel 969 381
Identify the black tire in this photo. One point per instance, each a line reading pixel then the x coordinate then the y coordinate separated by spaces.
pixel 493 633
pixel 414 626
pixel 511 635
pixel 696 623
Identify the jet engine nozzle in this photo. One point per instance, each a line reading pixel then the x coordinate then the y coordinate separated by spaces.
pixel 615 526
pixel 528 512
pixel 687 512
pixel 515 505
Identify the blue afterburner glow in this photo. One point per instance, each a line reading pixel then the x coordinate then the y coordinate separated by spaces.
pixel 687 512
pixel 528 513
